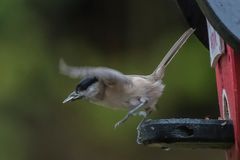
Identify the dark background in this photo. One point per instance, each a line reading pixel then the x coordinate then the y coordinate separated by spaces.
pixel 129 35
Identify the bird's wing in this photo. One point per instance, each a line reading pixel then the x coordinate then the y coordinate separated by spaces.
pixel 107 75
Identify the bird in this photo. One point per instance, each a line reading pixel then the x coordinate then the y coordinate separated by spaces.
pixel 111 88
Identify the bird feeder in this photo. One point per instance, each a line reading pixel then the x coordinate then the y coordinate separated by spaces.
pixel 217 24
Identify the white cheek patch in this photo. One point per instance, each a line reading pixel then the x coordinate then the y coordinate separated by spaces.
pixel 92 90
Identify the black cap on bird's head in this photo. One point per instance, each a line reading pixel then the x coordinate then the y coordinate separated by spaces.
pixel 81 88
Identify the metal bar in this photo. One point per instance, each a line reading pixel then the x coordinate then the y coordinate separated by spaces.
pixel 187 133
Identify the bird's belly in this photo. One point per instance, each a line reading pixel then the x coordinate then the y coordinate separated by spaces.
pixel 121 102
pixel 118 103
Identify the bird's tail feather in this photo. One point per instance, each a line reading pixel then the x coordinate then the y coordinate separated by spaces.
pixel 159 71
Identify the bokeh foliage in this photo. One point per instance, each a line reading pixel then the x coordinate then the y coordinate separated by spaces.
pixel 131 36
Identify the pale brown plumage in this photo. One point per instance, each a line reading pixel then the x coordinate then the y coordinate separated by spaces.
pixel 117 90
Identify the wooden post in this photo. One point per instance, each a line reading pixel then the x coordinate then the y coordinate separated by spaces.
pixel 228 86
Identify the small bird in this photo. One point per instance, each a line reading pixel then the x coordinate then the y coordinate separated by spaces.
pixel 111 88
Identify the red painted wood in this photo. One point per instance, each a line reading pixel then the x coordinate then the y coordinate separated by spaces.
pixel 228 78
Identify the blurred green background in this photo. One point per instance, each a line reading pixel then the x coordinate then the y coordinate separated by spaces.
pixel 131 36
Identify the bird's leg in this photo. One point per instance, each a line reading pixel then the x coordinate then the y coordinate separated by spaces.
pixel 145 114
pixel 131 112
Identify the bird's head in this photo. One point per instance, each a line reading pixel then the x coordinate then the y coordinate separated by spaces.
pixel 88 88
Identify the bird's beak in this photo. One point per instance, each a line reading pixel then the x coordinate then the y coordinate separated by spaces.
pixel 73 96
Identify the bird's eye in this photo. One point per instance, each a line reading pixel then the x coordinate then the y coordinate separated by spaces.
pixel 85 83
